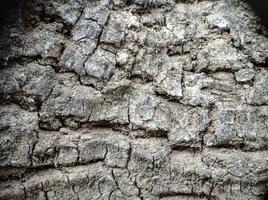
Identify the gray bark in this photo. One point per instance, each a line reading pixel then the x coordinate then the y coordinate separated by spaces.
pixel 134 99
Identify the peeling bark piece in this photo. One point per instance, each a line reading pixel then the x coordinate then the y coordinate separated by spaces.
pixel 110 113
pixel 157 3
pixel 18 134
pixel 148 65
pixel 45 150
pixel 103 145
pixel 118 151
pixel 184 197
pixel 205 90
pixel 149 163
pixel 193 94
pixel 113 34
pixel 126 182
pixel 239 126
pixel 99 69
pixel 30 85
pixel 86 29
pixel 59 183
pixel 67 150
pixel 240 167
pixel 67 11
pixel 92 148
pixel 10 83
pixel 218 21
pixel 98 14
pixel 146 112
pixel 253 45
pixel 52 149
pixel 70 11
pixel 191 128
pixel 44 41
pixel 244 75
pixel 164 71
pixel 73 59
pixel 148 151
pixel 258 95
pixel 220 165
pixel 153 19
pixel 81 101
pixel 169 80
pixel 219 55
pixel 12 190
pixel 76 54
pixel 183 163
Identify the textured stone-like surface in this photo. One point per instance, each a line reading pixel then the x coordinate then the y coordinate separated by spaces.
pixel 134 99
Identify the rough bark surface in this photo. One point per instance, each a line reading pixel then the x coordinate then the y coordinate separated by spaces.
pixel 134 99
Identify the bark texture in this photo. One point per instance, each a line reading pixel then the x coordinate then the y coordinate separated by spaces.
pixel 133 99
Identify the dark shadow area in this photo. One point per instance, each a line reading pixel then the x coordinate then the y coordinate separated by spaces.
pixel 266 196
pixel 6 8
pixel 261 8
pixel 10 20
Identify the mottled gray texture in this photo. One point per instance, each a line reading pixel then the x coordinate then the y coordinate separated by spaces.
pixel 134 99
